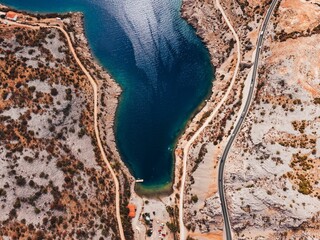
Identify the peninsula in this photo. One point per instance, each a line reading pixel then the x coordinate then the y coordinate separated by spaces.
pixel 59 169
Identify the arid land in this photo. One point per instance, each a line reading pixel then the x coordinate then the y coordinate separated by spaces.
pixel 55 184
pixel 272 173
pixel 58 186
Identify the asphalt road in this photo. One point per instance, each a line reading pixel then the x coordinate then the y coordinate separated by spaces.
pixel 227 227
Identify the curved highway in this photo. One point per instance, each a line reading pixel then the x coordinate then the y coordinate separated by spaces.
pixel 227 227
pixel 206 123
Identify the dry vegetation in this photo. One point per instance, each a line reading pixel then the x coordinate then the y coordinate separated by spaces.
pixel 54 184
pixel 272 175
pixel 204 215
pixel 273 170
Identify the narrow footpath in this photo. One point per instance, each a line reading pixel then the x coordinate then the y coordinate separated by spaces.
pixel 206 123
pixel 96 129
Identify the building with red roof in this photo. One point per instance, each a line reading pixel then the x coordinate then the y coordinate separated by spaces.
pixel 12 16
pixel 132 210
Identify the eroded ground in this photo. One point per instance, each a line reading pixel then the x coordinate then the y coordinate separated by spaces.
pixel 273 171
pixel 272 174
pixel 53 183
pixel 203 216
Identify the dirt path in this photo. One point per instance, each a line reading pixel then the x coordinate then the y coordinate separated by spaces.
pixel 95 113
pixel 209 119
pixel 96 129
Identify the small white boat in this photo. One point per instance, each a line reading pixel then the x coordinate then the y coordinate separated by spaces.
pixel 139 180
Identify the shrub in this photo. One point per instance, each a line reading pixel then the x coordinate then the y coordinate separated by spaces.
pixel 172 227
pixel 21 181
pixel 3 192
pixel 17 203
pixel 37 210
pixel 194 198
pixel 54 92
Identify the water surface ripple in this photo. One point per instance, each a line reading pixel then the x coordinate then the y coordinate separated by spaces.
pixel 162 66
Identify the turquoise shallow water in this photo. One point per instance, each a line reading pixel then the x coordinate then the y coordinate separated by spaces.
pixel 161 65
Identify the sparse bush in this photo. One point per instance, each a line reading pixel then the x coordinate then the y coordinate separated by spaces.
pixel 316 100
pixel 3 192
pixel 17 203
pixel 31 51
pixel 172 227
pixel 37 210
pixel 54 92
pixel 21 181
pixel 194 198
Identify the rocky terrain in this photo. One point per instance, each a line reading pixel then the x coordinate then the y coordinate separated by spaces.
pixel 108 95
pixel 273 170
pixel 203 214
pixel 272 174
pixel 54 183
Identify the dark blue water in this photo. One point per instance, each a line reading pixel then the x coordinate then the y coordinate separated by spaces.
pixel 161 65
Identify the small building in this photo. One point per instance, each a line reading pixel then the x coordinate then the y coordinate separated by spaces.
pixel 132 210
pixel 12 16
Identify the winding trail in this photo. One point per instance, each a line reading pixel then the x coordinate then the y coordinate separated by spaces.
pixel 96 130
pixel 209 119
pixel 95 114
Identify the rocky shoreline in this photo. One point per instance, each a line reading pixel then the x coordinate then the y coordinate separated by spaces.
pixel 203 216
pixel 272 218
pixel 63 183
pixel 109 93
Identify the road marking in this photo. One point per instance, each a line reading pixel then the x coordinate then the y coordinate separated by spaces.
pixel 227 226
pixel 206 123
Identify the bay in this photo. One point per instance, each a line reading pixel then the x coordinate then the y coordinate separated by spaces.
pixel 162 66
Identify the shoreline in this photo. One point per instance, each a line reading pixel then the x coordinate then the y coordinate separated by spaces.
pixel 126 180
pixel 166 189
pixel 65 22
pixel 221 53
pixel 87 56
pixel 162 190
pixel 151 192
pixel 109 92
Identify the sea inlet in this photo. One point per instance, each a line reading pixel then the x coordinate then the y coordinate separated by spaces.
pixel 162 66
